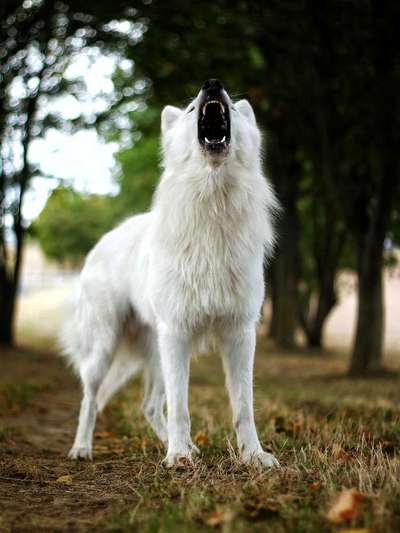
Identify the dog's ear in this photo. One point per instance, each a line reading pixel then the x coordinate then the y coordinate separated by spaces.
pixel 244 107
pixel 169 116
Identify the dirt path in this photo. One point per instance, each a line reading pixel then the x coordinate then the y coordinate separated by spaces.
pixel 38 406
pixel 328 431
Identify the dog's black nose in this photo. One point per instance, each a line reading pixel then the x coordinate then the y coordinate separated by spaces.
pixel 213 87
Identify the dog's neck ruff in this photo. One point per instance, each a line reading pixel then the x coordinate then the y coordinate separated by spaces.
pixel 237 203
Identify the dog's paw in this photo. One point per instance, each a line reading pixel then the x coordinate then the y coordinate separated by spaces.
pixel 178 460
pixel 80 452
pixel 262 460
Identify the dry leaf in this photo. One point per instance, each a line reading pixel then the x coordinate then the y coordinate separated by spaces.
pixel 102 435
pixel 200 438
pixel 315 485
pixel 219 517
pixel 100 448
pixel 346 506
pixel 297 427
pixel 66 479
pixel 340 453
pixel 354 530
pixel 214 519
pixel 261 508
pixel 118 450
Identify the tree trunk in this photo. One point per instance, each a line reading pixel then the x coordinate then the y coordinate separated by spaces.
pixel 314 328
pixel 313 317
pixel 285 276
pixel 6 310
pixel 368 345
pixel 285 172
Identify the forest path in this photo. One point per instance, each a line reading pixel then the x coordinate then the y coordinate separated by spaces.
pixel 39 401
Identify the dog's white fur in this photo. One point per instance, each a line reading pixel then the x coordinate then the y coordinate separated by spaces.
pixel 159 284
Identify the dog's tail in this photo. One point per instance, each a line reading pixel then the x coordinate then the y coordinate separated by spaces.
pixel 83 327
pixel 70 335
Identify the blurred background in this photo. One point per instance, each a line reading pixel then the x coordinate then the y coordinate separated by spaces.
pixel 82 86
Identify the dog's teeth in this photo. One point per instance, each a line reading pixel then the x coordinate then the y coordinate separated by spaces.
pixel 207 141
pixel 223 139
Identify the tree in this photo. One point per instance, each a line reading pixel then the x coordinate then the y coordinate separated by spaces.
pixel 71 223
pixel 361 85
pixel 139 163
pixel 324 250
pixel 38 40
pixel 307 70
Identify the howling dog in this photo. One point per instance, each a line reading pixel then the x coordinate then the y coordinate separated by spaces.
pixel 156 288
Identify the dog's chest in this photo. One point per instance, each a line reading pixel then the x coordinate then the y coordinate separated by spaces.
pixel 208 261
pixel 213 269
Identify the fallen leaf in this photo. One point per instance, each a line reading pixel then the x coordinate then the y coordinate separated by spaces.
pixel 219 517
pixel 261 508
pixel 214 519
pixel 315 485
pixel 102 435
pixel 354 530
pixel 297 427
pixel 100 448
pixel 200 438
pixel 118 450
pixel 345 506
pixel 339 453
pixel 66 479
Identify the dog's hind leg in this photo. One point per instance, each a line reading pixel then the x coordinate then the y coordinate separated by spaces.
pixel 123 368
pixel 154 394
pixel 92 371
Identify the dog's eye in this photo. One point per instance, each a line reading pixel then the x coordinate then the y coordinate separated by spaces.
pixel 191 109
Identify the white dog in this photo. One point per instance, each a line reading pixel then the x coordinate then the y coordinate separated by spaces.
pixel 159 284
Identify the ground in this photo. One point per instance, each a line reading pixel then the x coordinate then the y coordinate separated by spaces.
pixel 329 432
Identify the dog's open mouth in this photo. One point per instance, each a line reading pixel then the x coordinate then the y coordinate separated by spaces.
pixel 214 126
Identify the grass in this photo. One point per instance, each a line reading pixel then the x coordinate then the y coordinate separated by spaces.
pixel 329 433
pixel 15 397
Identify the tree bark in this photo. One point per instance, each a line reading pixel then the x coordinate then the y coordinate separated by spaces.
pixel 285 279
pixel 313 322
pixel 286 174
pixel 6 310
pixel 10 268
pixel 368 345
pixel 369 337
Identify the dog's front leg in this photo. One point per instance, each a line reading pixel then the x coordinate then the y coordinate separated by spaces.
pixel 175 361
pixel 238 359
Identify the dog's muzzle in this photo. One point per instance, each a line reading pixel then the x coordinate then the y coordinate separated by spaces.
pixel 214 125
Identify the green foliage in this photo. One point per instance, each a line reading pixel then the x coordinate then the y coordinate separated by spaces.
pixel 139 175
pixel 139 163
pixel 71 223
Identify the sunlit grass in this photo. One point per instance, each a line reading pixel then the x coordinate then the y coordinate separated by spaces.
pixel 328 432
